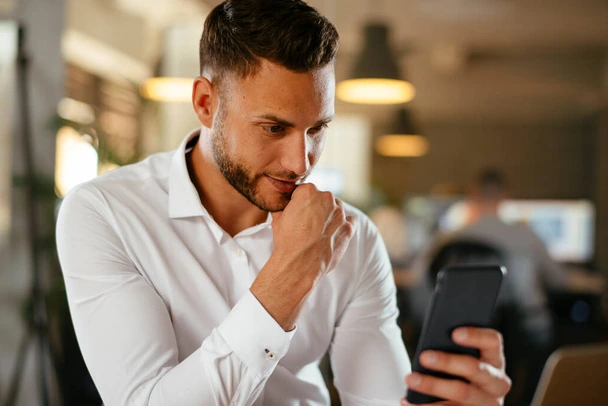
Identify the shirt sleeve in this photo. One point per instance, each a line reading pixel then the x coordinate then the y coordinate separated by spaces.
pixel 125 331
pixel 367 353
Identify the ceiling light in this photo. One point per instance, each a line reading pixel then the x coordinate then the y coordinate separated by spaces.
pixel 402 145
pixel 404 139
pixel 167 89
pixel 376 78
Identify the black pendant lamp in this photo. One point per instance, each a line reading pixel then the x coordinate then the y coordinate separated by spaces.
pixel 403 139
pixel 376 78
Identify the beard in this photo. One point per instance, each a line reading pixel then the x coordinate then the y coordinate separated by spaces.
pixel 240 177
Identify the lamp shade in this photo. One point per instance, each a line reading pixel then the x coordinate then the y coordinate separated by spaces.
pixel 404 139
pixel 404 124
pixel 376 78
pixel 167 89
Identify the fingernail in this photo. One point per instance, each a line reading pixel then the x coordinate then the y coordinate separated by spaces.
pixel 430 357
pixel 414 380
pixel 460 335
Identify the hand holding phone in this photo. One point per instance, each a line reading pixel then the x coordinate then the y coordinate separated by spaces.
pixel 464 296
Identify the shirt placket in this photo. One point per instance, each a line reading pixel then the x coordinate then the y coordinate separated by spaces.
pixel 239 262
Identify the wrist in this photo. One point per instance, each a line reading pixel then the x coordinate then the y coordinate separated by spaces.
pixel 282 288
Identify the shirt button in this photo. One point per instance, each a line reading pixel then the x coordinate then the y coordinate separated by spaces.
pixel 270 355
pixel 240 252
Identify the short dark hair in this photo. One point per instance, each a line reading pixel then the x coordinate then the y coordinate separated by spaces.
pixel 491 183
pixel 239 33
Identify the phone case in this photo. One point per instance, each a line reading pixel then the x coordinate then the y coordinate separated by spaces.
pixel 464 296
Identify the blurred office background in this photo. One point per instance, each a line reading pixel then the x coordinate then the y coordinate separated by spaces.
pixel 514 85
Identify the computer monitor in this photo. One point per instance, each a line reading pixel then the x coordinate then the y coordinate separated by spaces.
pixel 565 226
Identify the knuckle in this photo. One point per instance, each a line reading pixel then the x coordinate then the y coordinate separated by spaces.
pixel 428 385
pixel 310 187
pixel 327 197
pixel 305 189
pixel 340 212
pixel 462 392
pixel 349 228
pixel 473 367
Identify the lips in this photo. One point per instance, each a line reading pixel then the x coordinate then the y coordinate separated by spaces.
pixel 281 185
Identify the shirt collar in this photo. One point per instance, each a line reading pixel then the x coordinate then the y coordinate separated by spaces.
pixel 183 197
pixel 184 200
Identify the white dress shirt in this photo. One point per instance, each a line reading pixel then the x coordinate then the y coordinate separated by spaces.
pixel 160 301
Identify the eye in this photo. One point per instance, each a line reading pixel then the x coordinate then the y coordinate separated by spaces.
pixel 317 129
pixel 274 129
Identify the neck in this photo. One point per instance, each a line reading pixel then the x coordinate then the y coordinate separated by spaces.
pixel 230 210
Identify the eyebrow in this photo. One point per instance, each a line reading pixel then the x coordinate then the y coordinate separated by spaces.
pixel 287 124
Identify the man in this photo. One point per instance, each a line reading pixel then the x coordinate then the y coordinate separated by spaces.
pixel 213 275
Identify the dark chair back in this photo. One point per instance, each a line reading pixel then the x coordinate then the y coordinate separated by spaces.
pixel 464 253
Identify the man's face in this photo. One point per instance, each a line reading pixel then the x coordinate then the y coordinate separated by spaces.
pixel 269 131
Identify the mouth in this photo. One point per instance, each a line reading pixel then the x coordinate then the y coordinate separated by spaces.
pixel 283 186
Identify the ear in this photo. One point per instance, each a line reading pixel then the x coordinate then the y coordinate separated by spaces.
pixel 204 100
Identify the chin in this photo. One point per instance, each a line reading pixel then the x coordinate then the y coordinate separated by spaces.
pixel 270 200
pixel 278 202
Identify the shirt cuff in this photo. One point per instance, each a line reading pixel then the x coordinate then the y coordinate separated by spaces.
pixel 254 336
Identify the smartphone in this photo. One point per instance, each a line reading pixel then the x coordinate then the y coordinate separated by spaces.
pixel 465 295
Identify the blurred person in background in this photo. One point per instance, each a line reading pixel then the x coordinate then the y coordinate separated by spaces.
pixel 188 273
pixel 531 273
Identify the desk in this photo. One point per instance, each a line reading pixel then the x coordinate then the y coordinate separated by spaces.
pixel 583 281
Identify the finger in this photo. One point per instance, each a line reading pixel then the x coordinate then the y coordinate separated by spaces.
pixel 341 239
pixel 335 220
pixel 488 341
pixel 327 202
pixel 339 212
pixel 334 228
pixel 352 220
pixel 306 187
pixel 450 389
pixel 487 377
pixel 404 401
pixel 347 229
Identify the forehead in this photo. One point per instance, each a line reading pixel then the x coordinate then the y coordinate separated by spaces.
pixel 277 89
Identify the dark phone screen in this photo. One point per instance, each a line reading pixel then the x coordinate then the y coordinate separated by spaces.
pixel 464 296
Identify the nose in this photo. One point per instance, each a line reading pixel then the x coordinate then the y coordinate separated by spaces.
pixel 296 154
